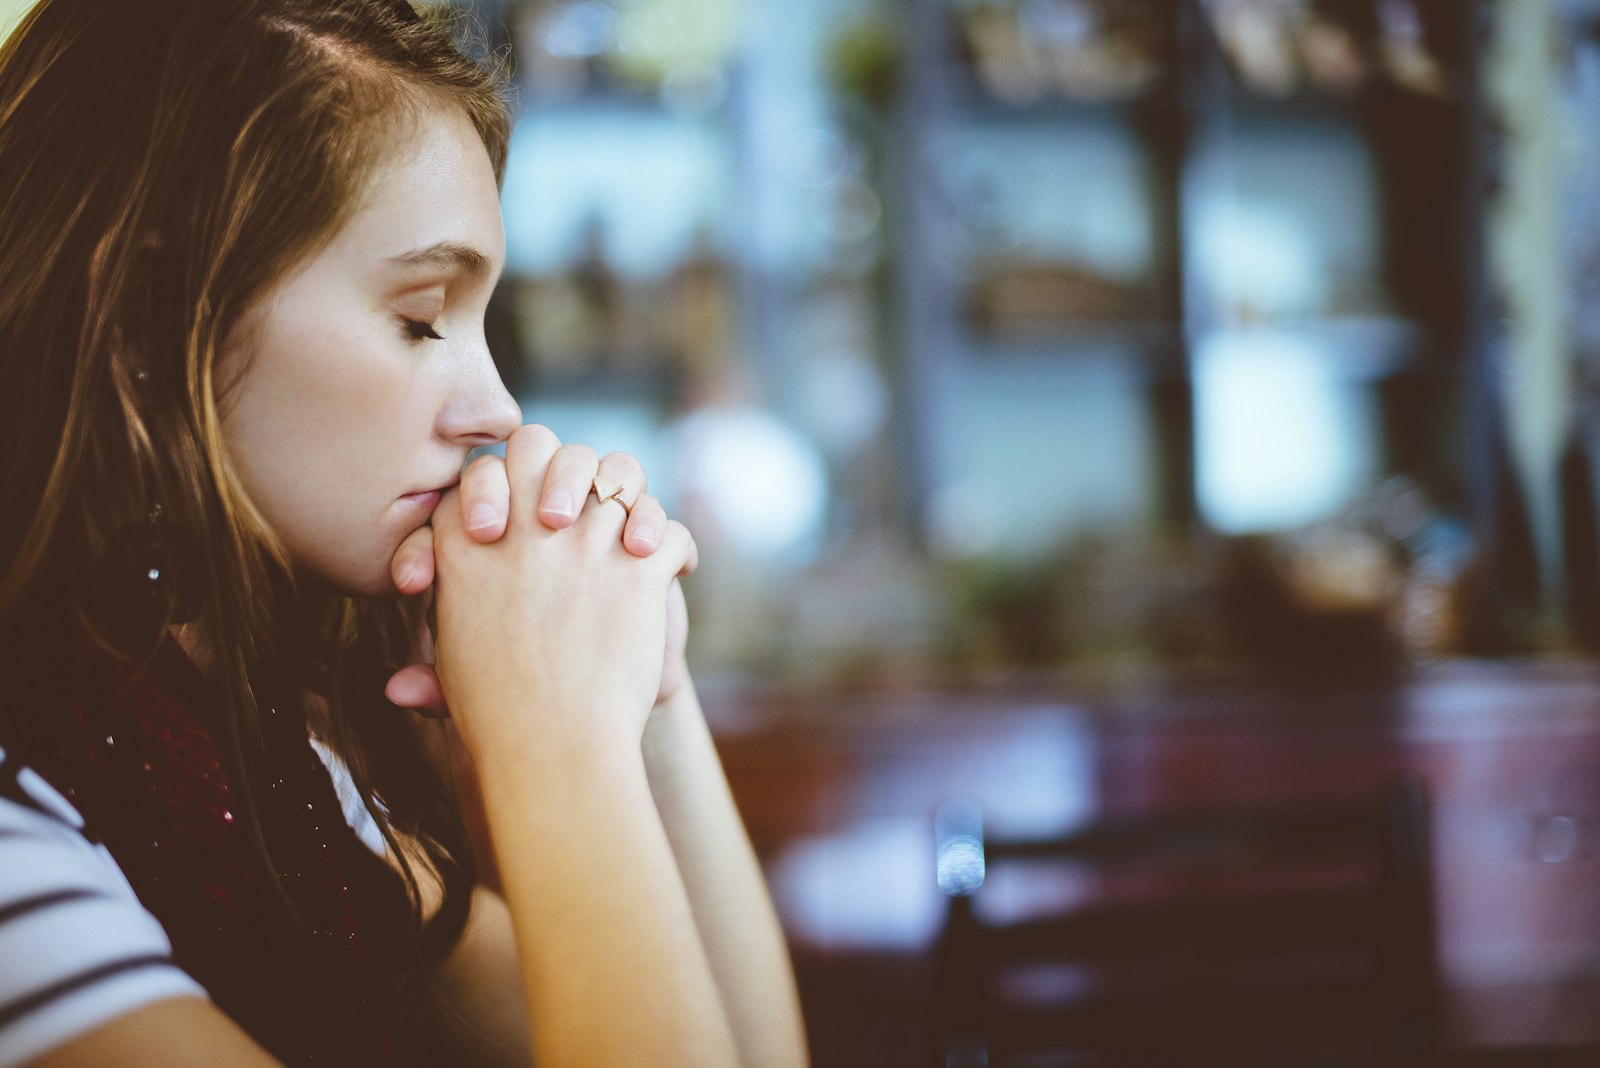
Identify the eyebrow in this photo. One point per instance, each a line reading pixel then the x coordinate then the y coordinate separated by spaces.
pixel 450 254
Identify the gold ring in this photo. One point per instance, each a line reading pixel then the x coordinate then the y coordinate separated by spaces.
pixel 606 490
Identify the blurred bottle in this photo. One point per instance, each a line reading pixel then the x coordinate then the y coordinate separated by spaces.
pixel 1023 51
pixel 597 288
pixel 700 309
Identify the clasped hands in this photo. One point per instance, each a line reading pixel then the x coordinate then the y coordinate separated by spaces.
pixel 551 591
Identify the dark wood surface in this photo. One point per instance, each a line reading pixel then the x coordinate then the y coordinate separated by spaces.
pixel 838 790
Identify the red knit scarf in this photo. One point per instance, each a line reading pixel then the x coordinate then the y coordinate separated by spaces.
pixel 139 762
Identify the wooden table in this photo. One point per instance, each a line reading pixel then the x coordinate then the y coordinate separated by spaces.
pixel 838 790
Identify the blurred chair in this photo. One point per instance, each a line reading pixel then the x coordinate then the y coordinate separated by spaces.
pixel 1275 936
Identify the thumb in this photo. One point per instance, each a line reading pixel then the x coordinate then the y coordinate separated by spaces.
pixel 416 687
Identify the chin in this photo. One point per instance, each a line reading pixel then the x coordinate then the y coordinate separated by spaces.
pixel 348 563
pixel 380 584
pixel 351 582
pixel 372 591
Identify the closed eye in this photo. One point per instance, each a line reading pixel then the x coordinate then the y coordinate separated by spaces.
pixel 418 330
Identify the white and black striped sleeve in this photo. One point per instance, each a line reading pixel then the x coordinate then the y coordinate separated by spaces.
pixel 77 949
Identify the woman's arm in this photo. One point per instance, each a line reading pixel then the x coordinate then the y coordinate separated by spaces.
pixel 177 1033
pixel 549 650
pixel 732 909
pixel 614 971
pixel 488 1003
pixel 733 912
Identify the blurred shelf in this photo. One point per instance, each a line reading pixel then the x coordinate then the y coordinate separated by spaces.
pixel 1153 347
pixel 1361 348
pixel 1358 105
pixel 1364 348
pixel 1370 178
pixel 970 100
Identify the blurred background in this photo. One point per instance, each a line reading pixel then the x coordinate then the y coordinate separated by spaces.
pixel 1087 408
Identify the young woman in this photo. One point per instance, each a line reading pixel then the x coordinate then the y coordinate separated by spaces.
pixel 245 251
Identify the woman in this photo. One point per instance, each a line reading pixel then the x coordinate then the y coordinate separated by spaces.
pixel 247 246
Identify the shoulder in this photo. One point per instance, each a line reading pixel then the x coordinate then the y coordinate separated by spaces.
pixel 77 949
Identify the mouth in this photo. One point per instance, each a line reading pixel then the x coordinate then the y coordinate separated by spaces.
pixel 429 499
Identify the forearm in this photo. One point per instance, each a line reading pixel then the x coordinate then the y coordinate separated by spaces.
pixel 613 966
pixel 732 909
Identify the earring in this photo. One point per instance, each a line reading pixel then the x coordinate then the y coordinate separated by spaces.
pixel 153 572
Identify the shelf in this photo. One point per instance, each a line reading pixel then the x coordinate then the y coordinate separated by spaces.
pixel 967 99
pixel 970 102
pixel 1363 348
pixel 1124 59
pixel 1349 201
pixel 1153 348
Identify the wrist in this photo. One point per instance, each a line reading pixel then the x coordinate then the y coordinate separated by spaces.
pixel 672 724
pixel 560 752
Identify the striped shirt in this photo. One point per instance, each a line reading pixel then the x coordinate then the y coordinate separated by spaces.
pixel 77 949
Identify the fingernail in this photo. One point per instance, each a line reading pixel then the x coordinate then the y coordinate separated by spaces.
pixel 644 537
pixel 560 502
pixel 406 575
pixel 482 516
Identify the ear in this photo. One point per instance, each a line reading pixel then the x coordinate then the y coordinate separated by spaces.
pixel 152 241
pixel 128 364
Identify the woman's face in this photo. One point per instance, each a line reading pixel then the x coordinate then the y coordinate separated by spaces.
pixel 365 374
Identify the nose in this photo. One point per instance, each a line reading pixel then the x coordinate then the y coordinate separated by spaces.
pixel 480 411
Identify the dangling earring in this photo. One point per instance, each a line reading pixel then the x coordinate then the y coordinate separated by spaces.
pixel 153 572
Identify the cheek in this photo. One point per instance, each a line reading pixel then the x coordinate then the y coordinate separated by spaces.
pixel 318 444
pixel 316 387
pixel 324 417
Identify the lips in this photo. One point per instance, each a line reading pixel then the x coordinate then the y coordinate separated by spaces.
pixel 452 484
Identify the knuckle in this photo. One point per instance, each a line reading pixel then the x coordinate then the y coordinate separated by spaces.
pixel 530 435
pixel 625 461
pixel 580 454
pixel 678 534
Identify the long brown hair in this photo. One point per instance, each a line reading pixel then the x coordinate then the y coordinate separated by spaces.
pixel 161 166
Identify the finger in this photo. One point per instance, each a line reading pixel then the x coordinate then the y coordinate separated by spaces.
pixel 412 566
pixel 616 487
pixel 677 615
pixel 528 453
pixel 647 523
pixel 678 549
pixel 571 473
pixel 485 498
pixel 674 670
pixel 416 687
pixel 620 469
